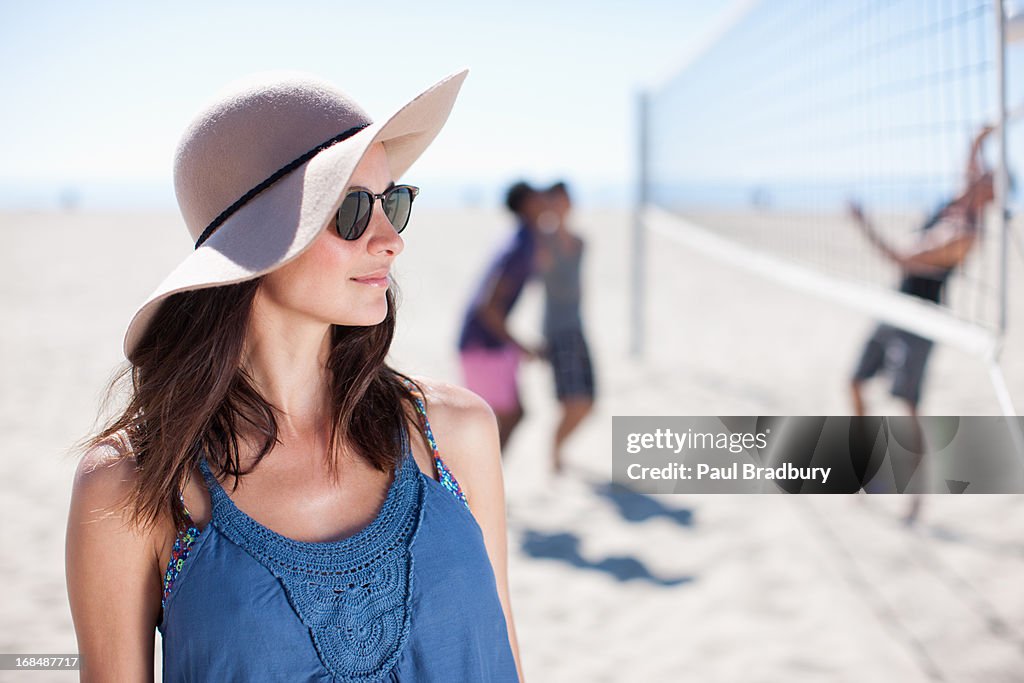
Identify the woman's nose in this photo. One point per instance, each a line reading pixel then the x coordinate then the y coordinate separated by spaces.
pixel 382 235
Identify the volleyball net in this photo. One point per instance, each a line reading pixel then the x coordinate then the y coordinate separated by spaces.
pixel 757 148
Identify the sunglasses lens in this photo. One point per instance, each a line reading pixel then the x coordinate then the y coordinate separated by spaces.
pixel 398 206
pixel 354 214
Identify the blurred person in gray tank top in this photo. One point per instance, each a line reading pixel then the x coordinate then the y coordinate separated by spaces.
pixel 559 257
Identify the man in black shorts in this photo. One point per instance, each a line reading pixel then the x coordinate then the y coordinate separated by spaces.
pixel 946 239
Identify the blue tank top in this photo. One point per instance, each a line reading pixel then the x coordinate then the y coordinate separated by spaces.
pixel 411 597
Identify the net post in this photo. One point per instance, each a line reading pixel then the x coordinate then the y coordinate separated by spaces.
pixel 1006 404
pixel 1002 179
pixel 638 264
pixel 1001 192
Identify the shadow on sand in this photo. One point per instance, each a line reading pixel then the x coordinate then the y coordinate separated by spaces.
pixel 565 547
pixel 633 508
pixel 636 507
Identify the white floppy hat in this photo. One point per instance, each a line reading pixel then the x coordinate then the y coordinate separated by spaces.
pixel 261 170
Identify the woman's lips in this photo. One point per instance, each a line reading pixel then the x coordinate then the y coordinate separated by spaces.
pixel 379 279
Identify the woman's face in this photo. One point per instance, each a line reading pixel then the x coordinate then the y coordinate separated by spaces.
pixel 337 281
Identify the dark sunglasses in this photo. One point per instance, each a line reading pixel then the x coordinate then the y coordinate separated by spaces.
pixel 357 209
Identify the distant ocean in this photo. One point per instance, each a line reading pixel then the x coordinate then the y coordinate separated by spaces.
pixel 159 195
pixel 902 194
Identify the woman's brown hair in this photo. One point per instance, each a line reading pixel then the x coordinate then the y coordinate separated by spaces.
pixel 189 396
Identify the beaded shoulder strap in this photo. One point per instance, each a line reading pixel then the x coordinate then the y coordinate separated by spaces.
pixel 444 475
pixel 183 542
pixel 179 552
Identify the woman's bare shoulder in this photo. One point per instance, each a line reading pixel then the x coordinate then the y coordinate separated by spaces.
pixel 457 411
pixel 465 430
pixel 112 579
pixel 105 479
pixel 451 397
pixel 105 473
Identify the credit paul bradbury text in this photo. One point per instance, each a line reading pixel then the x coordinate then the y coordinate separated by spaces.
pixel 817 454
pixel 736 442
pixel 747 471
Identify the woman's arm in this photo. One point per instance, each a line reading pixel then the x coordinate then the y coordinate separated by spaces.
pixel 112 570
pixel 467 435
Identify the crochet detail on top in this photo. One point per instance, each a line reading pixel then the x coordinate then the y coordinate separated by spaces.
pixel 354 594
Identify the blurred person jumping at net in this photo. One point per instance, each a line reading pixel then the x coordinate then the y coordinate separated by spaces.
pixel 559 254
pixel 945 241
pixel 488 352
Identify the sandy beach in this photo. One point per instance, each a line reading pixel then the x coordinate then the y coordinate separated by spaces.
pixel 607 585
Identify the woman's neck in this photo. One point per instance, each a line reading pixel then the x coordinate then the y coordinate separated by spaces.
pixel 286 357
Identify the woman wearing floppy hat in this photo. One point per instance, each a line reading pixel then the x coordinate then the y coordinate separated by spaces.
pixel 273 498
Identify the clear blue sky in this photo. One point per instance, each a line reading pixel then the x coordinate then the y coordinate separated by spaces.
pixel 98 92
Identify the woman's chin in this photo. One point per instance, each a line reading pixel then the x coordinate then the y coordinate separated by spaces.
pixel 369 317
